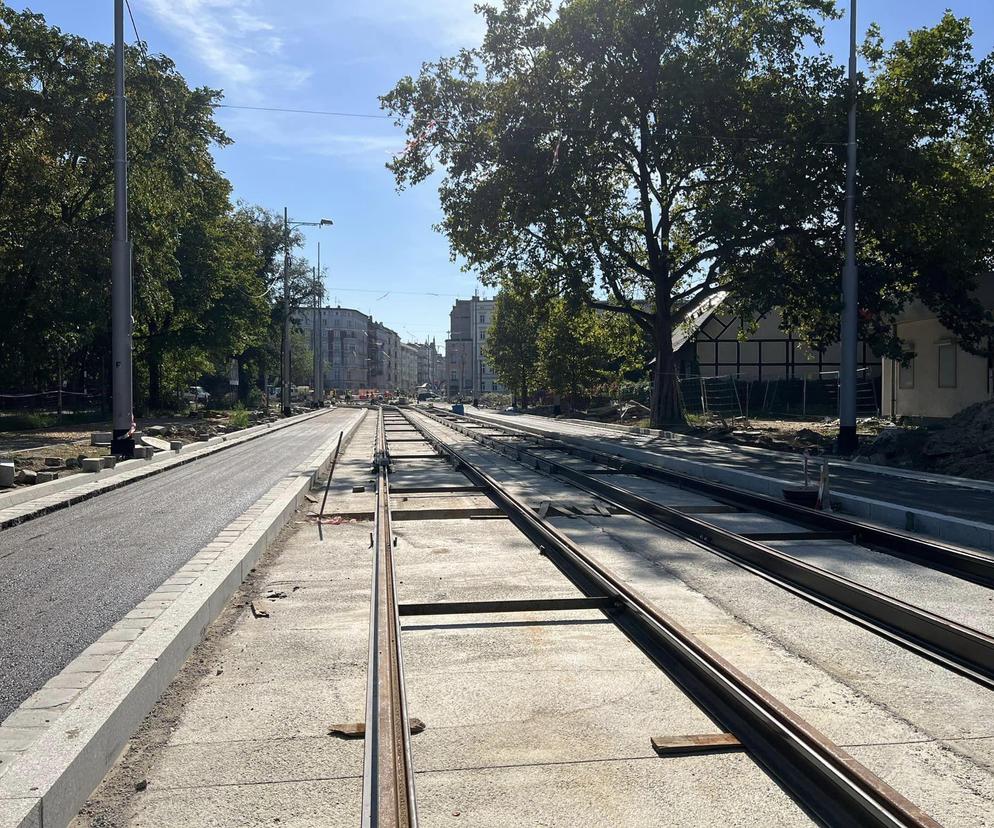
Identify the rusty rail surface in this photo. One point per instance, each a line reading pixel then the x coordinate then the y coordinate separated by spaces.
pixel 832 787
pixel 955 646
pixel 388 799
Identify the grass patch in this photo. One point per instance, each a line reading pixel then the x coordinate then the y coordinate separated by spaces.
pixel 239 417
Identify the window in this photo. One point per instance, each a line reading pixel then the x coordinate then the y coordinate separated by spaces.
pixel 947 365
pixel 483 318
pixel 906 373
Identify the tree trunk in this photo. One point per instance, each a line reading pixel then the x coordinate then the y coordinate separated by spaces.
pixel 664 405
pixel 154 361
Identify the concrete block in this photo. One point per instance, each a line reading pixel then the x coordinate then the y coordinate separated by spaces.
pixel 109 461
pixel 100 438
pixel 47 476
pixel 92 464
pixel 156 443
pixel 175 445
pixel 6 474
pixel 53 461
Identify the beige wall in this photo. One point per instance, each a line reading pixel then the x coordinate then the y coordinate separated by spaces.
pixel 926 398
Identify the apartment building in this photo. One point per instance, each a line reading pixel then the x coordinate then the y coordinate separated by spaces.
pixel 467 371
pixel 357 352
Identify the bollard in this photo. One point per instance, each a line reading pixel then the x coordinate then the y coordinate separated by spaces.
pixel 6 474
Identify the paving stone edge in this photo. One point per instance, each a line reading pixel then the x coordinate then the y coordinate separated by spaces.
pixel 84 716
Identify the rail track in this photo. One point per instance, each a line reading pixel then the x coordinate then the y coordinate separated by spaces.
pixel 963 649
pixel 829 784
pixel 968 564
pixel 388 799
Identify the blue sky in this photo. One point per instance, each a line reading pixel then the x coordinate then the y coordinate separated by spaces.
pixel 340 55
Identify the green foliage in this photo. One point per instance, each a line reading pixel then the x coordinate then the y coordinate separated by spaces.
pixel 644 155
pixel 239 417
pixel 573 349
pixel 640 156
pixel 512 341
pixel 203 271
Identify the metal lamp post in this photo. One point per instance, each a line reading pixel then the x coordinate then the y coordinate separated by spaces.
pixel 848 441
pixel 122 442
pixel 285 367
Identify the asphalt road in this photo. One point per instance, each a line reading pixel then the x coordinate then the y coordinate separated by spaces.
pixel 67 577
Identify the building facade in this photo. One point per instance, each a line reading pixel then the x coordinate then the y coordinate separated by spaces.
pixel 942 378
pixel 384 357
pixel 431 364
pixel 467 371
pixel 343 346
pixel 408 381
pixel 357 352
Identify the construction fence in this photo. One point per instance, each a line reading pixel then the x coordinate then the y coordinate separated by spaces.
pixel 730 396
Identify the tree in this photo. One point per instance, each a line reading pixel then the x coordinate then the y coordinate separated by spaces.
pixel 642 154
pixel 202 270
pixel 573 349
pixel 512 341
pixel 925 208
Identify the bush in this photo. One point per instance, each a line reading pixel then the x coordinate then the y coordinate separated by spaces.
pixel 239 417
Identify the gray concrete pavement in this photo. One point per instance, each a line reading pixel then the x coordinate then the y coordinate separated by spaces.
pixel 922 728
pixel 927 494
pixel 69 575
pixel 532 720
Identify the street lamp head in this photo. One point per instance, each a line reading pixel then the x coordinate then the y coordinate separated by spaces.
pixel 325 222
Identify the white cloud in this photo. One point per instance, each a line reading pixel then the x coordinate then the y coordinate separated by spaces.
pixel 230 37
pixel 447 23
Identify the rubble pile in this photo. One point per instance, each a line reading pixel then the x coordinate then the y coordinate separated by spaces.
pixel 964 447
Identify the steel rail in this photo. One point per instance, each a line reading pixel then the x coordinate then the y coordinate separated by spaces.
pixel 388 799
pixel 968 564
pixel 954 646
pixel 831 786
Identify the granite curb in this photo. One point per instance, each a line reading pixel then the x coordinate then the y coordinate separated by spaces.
pixel 57 746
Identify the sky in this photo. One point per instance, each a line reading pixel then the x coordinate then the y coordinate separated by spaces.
pixel 382 255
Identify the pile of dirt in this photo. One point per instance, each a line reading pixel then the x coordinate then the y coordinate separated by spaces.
pixel 964 446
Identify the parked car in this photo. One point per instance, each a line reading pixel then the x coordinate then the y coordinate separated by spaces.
pixel 196 394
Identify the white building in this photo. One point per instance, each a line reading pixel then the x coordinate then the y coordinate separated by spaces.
pixel 942 378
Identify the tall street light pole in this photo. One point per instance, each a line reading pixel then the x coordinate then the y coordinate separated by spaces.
pixel 316 339
pixel 285 367
pixel 850 282
pixel 122 442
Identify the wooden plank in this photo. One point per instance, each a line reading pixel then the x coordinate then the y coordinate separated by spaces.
pixel 695 744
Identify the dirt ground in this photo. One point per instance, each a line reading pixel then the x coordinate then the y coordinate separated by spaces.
pixel 37 450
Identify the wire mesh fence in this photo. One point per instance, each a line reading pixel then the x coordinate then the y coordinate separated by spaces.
pixel 50 402
pixel 730 396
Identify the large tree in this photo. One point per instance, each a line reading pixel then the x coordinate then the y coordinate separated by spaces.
pixel 643 154
pixel 648 154
pixel 201 269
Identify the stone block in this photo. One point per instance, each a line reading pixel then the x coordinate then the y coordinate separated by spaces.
pixel 92 464
pixel 155 431
pixel 46 476
pixel 175 445
pixel 53 461
pixel 100 438
pixel 6 474
pixel 25 476
pixel 109 461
